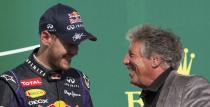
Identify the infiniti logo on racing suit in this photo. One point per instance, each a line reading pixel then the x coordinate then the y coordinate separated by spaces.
pixel 71 82
pixel 35 67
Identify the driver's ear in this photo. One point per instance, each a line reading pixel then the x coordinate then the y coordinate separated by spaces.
pixel 46 38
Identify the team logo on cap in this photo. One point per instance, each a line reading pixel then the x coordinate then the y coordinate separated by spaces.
pixel 50 27
pixel 72 27
pixel 74 17
pixel 77 36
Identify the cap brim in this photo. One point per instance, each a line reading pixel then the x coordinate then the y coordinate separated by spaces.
pixel 90 36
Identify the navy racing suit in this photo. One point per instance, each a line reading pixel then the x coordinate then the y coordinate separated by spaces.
pixel 31 85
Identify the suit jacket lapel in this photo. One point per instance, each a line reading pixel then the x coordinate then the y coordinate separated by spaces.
pixel 165 89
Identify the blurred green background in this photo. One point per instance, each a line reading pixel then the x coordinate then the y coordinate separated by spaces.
pixel 109 20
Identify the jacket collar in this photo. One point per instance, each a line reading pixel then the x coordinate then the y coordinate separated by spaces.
pixel 38 68
pixel 158 83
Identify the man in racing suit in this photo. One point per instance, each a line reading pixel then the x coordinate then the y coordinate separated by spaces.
pixel 46 79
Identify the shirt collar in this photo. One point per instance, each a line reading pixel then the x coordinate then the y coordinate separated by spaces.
pixel 158 83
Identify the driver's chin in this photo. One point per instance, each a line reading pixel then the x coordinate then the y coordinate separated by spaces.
pixel 64 64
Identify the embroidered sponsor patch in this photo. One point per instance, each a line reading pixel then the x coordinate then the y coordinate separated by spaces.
pixel 77 36
pixel 33 93
pixel 8 78
pixel 38 101
pixel 71 82
pixel 87 81
pixel 31 82
pixel 72 27
pixel 72 93
pixel 74 17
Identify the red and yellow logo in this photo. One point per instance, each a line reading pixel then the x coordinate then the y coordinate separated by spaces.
pixel 74 17
pixel 59 103
pixel 33 93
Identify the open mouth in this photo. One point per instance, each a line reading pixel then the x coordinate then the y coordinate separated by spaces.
pixel 130 72
pixel 130 75
pixel 130 69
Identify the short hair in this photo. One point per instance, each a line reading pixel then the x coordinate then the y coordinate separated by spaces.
pixel 158 41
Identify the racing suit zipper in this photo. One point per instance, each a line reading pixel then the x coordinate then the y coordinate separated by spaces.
pixel 58 92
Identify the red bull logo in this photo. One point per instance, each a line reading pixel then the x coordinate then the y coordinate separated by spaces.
pixel 74 17
pixel 59 103
pixel 73 14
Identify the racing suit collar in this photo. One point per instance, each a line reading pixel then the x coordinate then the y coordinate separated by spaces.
pixel 38 68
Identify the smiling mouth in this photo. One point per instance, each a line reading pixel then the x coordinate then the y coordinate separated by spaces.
pixel 130 69
pixel 130 75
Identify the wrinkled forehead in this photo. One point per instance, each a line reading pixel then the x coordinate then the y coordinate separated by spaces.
pixel 137 47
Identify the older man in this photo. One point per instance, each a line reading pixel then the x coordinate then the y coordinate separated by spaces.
pixel 152 60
